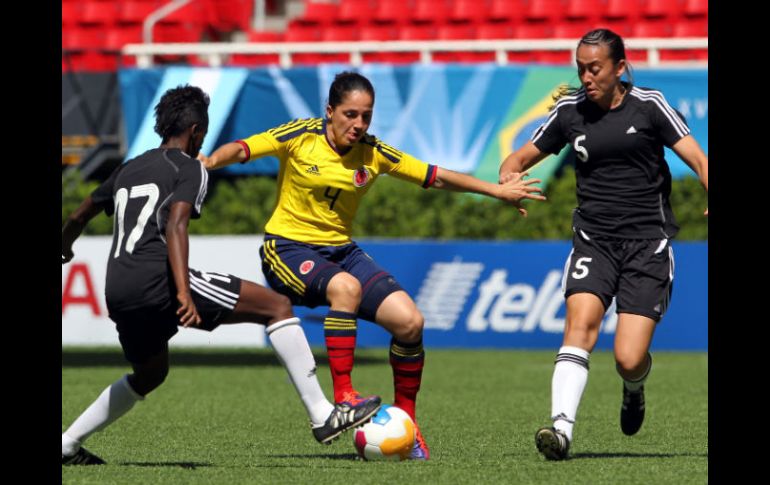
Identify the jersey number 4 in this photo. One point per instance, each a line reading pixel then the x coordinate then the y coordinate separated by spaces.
pixel 121 200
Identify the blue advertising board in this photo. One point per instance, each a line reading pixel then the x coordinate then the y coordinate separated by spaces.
pixel 508 295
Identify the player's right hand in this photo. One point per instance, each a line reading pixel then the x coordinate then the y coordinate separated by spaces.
pixel 206 161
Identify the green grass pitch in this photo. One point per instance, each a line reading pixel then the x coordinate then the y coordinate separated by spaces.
pixel 231 417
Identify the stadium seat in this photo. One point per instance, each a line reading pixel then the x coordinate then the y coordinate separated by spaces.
pixel 691 28
pixel 696 9
pixel 135 12
pixel 98 13
pixel 339 33
pixel 652 29
pixel 461 31
pixel 626 10
pixel 70 13
pixel 507 10
pixel 584 10
pixel 298 32
pixel 258 36
pixel 116 38
pixel 541 30
pixel 496 31
pixel 392 12
pixel 378 32
pixel 544 10
pixel 355 12
pixel 469 11
pixel 430 11
pixel 231 14
pixel 620 26
pixel 417 32
pixel 571 30
pixel 662 9
pixel 322 13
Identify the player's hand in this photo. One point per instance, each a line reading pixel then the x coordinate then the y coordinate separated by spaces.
pixel 66 255
pixel 187 313
pixel 206 161
pixel 514 189
pixel 707 212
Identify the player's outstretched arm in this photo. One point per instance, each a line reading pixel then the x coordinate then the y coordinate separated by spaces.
pixel 692 154
pixel 74 226
pixel 178 243
pixel 227 154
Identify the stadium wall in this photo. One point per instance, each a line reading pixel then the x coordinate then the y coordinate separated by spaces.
pixel 473 294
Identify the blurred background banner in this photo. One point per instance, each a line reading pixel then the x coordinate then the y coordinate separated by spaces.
pixel 472 294
pixel 463 117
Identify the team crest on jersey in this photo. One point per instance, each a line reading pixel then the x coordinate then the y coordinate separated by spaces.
pixel 306 266
pixel 361 177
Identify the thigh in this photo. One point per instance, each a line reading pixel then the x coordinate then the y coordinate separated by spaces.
pixel 297 270
pixel 591 267
pixel 646 278
pixel 145 332
pixel 215 296
pixel 376 283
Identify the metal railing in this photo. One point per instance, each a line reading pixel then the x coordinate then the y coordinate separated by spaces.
pixel 216 53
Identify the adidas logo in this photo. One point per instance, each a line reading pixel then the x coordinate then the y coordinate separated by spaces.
pixel 313 170
pixel 631 130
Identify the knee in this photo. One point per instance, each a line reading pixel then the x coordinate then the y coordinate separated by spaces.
pixel 282 308
pixel 144 381
pixel 413 327
pixel 344 288
pixel 581 333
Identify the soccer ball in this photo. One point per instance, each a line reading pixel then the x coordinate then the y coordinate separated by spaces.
pixel 388 436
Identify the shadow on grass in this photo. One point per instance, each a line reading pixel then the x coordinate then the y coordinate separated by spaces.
pixel 345 456
pixel 114 358
pixel 589 455
pixel 189 465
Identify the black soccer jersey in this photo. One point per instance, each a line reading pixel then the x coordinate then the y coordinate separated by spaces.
pixel 140 193
pixel 623 181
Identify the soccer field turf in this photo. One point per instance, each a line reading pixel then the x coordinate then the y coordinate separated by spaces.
pixel 232 416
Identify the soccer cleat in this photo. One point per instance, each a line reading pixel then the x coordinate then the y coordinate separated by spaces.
pixel 420 450
pixel 552 443
pixel 632 411
pixel 82 457
pixel 346 416
pixel 353 398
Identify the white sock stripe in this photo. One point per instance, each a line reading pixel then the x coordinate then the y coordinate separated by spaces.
pixel 130 389
pixel 283 323
pixel 216 289
pixel 209 295
pixel 657 98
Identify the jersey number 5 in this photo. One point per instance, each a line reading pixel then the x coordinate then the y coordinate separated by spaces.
pixel 121 200
pixel 581 152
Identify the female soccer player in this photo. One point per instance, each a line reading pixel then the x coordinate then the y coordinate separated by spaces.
pixel 623 224
pixel 150 289
pixel 327 166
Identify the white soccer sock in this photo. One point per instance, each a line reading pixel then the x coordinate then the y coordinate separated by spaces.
pixel 112 403
pixel 290 344
pixel 570 375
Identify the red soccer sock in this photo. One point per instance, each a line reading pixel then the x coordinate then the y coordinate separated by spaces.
pixel 340 336
pixel 407 360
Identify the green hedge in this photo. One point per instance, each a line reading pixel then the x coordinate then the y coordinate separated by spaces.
pixel 393 208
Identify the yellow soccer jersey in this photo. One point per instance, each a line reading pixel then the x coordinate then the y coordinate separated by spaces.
pixel 319 190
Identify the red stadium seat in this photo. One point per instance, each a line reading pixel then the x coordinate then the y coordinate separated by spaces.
pixel 584 10
pixel 136 11
pixel 662 9
pixel 571 30
pixel 621 27
pixel 627 10
pixel 339 33
pixel 378 32
pixel 298 32
pixel 259 36
pixel 497 31
pixel 652 29
pixel 456 32
pixel 417 32
pixel 116 38
pixel 355 12
pixel 545 10
pixel 385 33
pixel 461 31
pixel 392 12
pixel 70 13
pixel 98 13
pixel 430 11
pixel 691 28
pixel 530 31
pixel 696 8
pixel 319 13
pixel 469 11
pixel 507 10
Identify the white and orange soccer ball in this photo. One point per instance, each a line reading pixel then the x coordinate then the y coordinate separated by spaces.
pixel 389 435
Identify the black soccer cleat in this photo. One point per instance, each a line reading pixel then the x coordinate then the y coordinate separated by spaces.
pixel 344 416
pixel 632 411
pixel 82 457
pixel 552 443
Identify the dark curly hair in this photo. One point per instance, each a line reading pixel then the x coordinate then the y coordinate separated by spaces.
pixel 179 108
